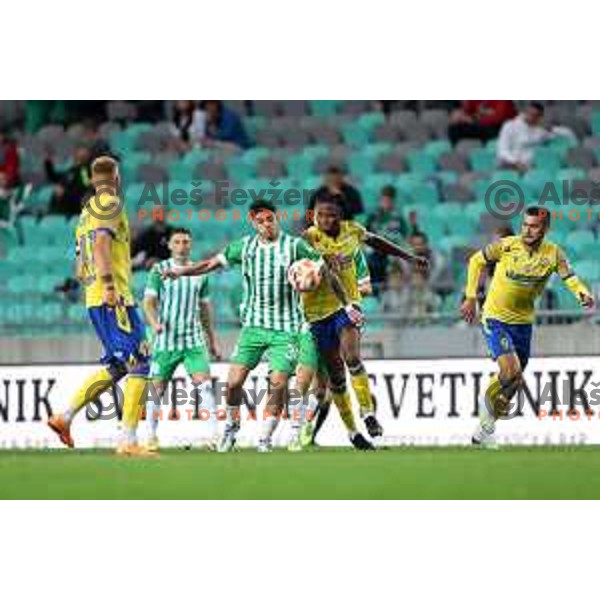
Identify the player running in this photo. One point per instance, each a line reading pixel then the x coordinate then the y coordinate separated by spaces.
pixel 313 371
pixel 335 327
pixel 270 314
pixel 523 265
pixel 180 315
pixel 104 269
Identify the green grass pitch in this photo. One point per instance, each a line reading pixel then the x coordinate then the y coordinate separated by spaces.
pixel 417 473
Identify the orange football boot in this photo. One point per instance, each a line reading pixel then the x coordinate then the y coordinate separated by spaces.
pixel 62 428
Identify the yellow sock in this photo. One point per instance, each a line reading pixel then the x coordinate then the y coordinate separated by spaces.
pixel 493 400
pixel 344 406
pixel 360 385
pixel 94 386
pixel 134 401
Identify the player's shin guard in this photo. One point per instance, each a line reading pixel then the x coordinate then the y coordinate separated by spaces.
pixel 360 385
pixel 93 387
pixel 135 391
pixel 341 399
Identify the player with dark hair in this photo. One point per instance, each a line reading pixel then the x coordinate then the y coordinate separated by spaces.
pixel 523 265
pixel 335 327
pixel 270 313
pixel 104 269
pixel 180 315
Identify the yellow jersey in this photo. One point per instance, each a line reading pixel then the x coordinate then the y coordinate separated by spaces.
pixel 519 278
pixel 103 214
pixel 340 253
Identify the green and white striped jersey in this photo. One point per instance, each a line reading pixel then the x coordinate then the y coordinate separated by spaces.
pixel 268 300
pixel 178 308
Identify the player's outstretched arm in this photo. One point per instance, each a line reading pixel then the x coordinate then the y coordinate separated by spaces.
pixel 101 251
pixel 202 267
pixel 468 308
pixel 384 246
pixel 573 283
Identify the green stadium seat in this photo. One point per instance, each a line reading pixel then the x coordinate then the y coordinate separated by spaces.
pixel 535 181
pixel 570 174
pixel 482 159
pixel 40 197
pixel 369 121
pixel 420 162
pixel 547 159
pixel 238 170
pixel 376 150
pixel 324 108
pixel 437 148
pixel 588 270
pixel 361 165
pixel 580 242
pixel 505 175
pixel 355 135
pixel 300 166
pixel 595 122
pixel 447 177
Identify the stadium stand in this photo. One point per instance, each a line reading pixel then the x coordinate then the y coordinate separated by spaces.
pixel 399 143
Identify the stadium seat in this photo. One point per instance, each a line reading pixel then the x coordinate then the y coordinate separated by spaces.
pixel 324 108
pixel 482 159
pixel 422 163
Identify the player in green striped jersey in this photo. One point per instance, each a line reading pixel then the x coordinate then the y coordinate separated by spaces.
pixel 180 316
pixel 270 313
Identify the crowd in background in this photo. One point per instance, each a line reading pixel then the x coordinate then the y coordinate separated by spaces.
pixel 211 123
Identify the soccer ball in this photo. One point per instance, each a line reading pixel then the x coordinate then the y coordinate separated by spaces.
pixel 304 275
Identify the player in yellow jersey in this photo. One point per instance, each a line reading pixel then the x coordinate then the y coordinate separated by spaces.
pixel 523 265
pixel 104 269
pixel 335 327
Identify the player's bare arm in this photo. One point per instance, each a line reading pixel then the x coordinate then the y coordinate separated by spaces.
pixel 475 270
pixel 207 319
pixel 384 246
pixel 103 264
pixel 150 305
pixel 329 272
pixel 202 267
pixel 574 284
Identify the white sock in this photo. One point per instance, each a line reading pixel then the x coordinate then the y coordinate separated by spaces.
pixel 296 416
pixel 233 417
pixel 487 421
pixel 268 427
pixel 208 403
pixel 153 416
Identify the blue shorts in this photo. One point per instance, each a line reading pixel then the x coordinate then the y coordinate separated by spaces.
pixel 326 332
pixel 504 338
pixel 123 338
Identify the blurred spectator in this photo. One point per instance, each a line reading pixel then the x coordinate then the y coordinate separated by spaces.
pixel 224 127
pixel 479 119
pixel 393 298
pixel 150 245
pixel 189 123
pixel 70 186
pixel 90 137
pixel 334 182
pixel 389 222
pixel 409 300
pixel 419 242
pixel 9 160
pixel 519 137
